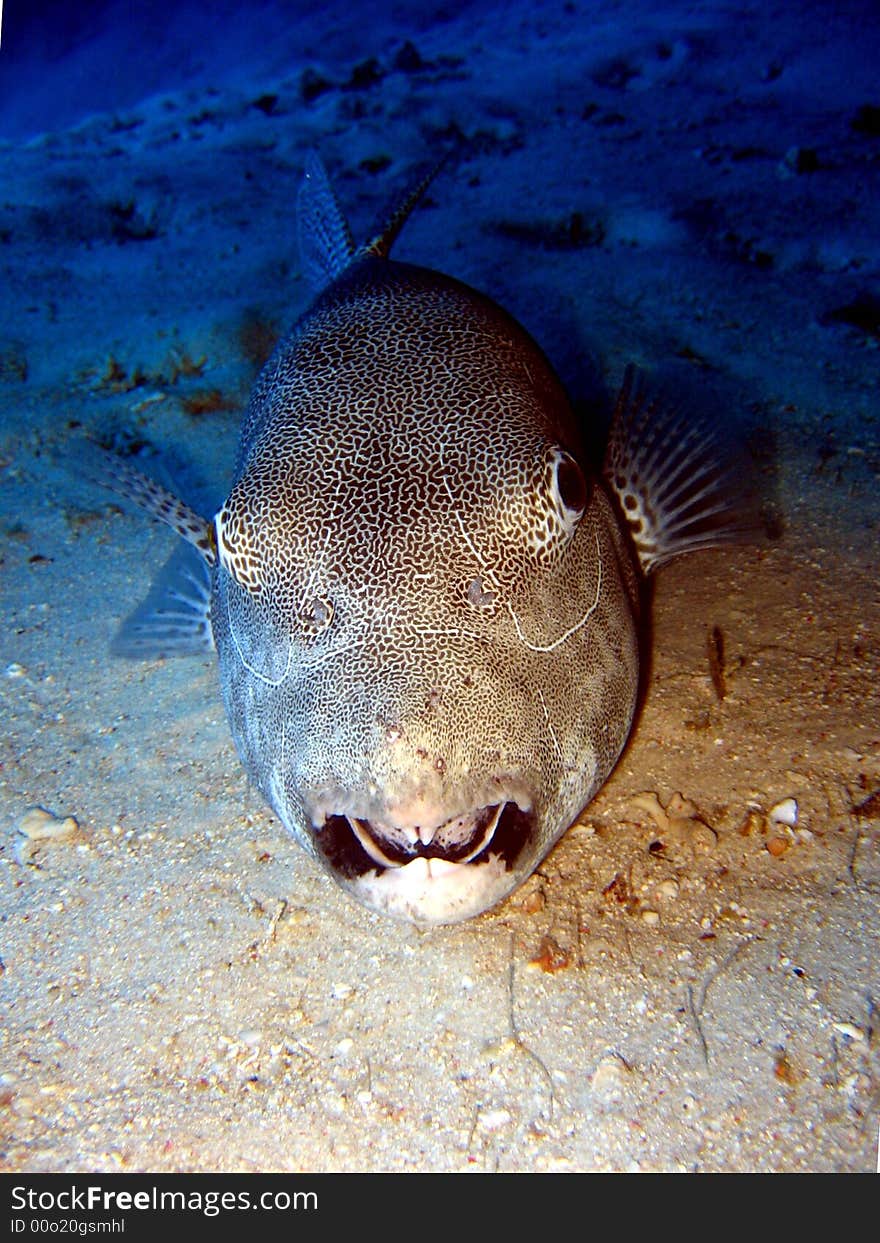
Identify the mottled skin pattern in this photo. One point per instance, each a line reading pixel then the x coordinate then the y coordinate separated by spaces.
pixel 417 613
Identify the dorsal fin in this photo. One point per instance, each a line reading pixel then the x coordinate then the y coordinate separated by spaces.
pixel 325 242
pixel 380 244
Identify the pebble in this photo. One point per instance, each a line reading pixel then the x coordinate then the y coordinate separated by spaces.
pixel 610 1079
pixel 651 918
pixel 753 822
pixel 649 802
pixel 679 820
pixel 849 1030
pixel 39 824
pixel 23 1105
pixel 682 807
pixel 784 812
pixel 534 902
pixel 494 1119
pixel 777 846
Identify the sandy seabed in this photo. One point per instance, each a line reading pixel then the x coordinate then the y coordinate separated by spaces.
pixel 683 984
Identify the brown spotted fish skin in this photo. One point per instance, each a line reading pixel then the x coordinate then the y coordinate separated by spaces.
pixel 416 625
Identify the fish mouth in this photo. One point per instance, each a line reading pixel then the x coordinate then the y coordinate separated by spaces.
pixel 355 847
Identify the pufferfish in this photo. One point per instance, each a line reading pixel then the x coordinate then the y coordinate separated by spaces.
pixel 424 601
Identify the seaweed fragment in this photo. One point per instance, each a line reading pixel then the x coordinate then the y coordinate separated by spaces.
pixel 573 232
pixel 267 104
pixel 206 401
pixel 715 653
pixel 257 337
pixel 13 363
pixel 366 74
pixel 772 520
pixel 312 85
pixel 375 164
pixel 867 120
pixel 615 74
pixel 117 380
pixel 863 313
pixel 868 808
pixel 408 59
pixel 128 225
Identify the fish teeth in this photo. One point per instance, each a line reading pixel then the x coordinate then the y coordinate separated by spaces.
pixel 400 847
pixel 370 846
pixel 486 836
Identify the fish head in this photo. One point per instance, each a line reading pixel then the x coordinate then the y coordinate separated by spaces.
pixel 427 652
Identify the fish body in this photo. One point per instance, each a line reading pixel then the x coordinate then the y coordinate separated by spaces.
pixel 424 603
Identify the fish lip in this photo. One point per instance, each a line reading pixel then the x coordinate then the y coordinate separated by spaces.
pixel 353 846
pixel 432 892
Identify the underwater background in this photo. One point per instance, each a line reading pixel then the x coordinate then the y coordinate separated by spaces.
pixel 689 981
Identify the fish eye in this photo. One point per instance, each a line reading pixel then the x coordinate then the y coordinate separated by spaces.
pixel 569 485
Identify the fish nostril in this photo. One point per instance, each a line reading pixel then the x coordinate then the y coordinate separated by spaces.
pixel 317 614
pixel 478 596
